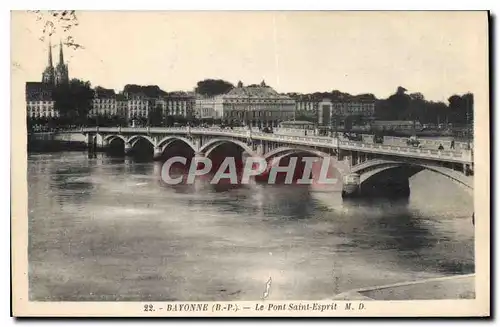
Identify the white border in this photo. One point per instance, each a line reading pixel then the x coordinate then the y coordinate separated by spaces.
pixel 190 5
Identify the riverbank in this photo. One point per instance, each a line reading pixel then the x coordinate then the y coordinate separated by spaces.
pixel 50 142
pixel 451 287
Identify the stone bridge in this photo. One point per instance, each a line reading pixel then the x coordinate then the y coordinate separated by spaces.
pixel 371 166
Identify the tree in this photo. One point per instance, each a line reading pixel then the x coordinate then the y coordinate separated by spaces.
pixel 156 115
pixel 417 96
pixel 170 121
pixel 399 103
pixel 150 91
pixel 211 87
pixel 416 107
pixel 73 100
pixel 461 108
pixel 469 107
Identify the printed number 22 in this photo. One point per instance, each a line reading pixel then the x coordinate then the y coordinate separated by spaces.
pixel 148 307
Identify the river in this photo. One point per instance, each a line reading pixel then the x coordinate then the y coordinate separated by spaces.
pixel 104 228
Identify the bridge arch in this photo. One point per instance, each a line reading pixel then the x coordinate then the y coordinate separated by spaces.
pixel 213 144
pixel 134 139
pixel 165 142
pixel 287 151
pixel 110 138
pixel 327 164
pixel 371 169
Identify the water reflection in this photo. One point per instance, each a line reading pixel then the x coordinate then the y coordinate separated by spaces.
pixel 108 228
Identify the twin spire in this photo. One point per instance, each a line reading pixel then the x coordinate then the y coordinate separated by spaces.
pixel 61 56
pixel 59 74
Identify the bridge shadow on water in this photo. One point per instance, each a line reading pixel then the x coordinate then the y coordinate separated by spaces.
pixel 410 236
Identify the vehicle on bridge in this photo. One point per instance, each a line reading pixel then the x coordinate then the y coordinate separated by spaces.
pixel 353 136
pixel 413 141
pixel 378 138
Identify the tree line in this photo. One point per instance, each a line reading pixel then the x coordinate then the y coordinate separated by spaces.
pixel 413 106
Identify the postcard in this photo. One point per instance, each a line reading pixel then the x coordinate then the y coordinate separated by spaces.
pixel 250 163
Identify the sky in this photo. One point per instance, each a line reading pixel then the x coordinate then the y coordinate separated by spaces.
pixel 436 53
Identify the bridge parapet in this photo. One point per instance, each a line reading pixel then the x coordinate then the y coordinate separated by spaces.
pixel 461 156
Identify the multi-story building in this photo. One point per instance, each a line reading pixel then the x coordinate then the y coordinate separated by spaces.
pixel 354 108
pixel 138 106
pixel 341 107
pixel 104 103
pixel 255 105
pixel 176 104
pixel 39 103
pixel 209 107
pixel 344 109
pixel 121 105
pixel 306 103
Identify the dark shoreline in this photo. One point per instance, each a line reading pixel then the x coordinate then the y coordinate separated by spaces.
pixel 41 146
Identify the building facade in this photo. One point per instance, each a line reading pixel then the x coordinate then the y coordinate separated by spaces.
pixel 177 104
pixel 354 108
pixel 343 109
pixel 121 105
pixel 324 106
pixel 104 103
pixel 254 105
pixel 209 107
pixel 39 103
pixel 138 106
pixel 306 104
pixel 103 107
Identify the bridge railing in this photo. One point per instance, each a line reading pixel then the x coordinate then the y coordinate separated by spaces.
pixel 454 155
pixel 460 155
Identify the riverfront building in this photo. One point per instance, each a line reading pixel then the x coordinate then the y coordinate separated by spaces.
pixel 176 104
pixel 104 103
pixel 323 109
pixel 255 105
pixel 39 103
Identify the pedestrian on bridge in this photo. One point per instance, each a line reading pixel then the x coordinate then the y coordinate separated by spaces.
pixel 452 145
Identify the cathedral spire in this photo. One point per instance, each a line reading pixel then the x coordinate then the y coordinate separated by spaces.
pixel 61 57
pixel 50 54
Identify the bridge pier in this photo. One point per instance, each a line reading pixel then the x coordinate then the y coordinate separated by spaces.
pixel 158 153
pixel 127 149
pixel 392 189
pixel 351 187
pixel 91 141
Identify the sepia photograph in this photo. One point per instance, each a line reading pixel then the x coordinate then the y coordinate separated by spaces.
pixel 250 163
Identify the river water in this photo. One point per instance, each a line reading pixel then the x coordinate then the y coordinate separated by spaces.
pixel 106 229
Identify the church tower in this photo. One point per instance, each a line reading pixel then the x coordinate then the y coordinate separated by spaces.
pixel 61 71
pixel 48 76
